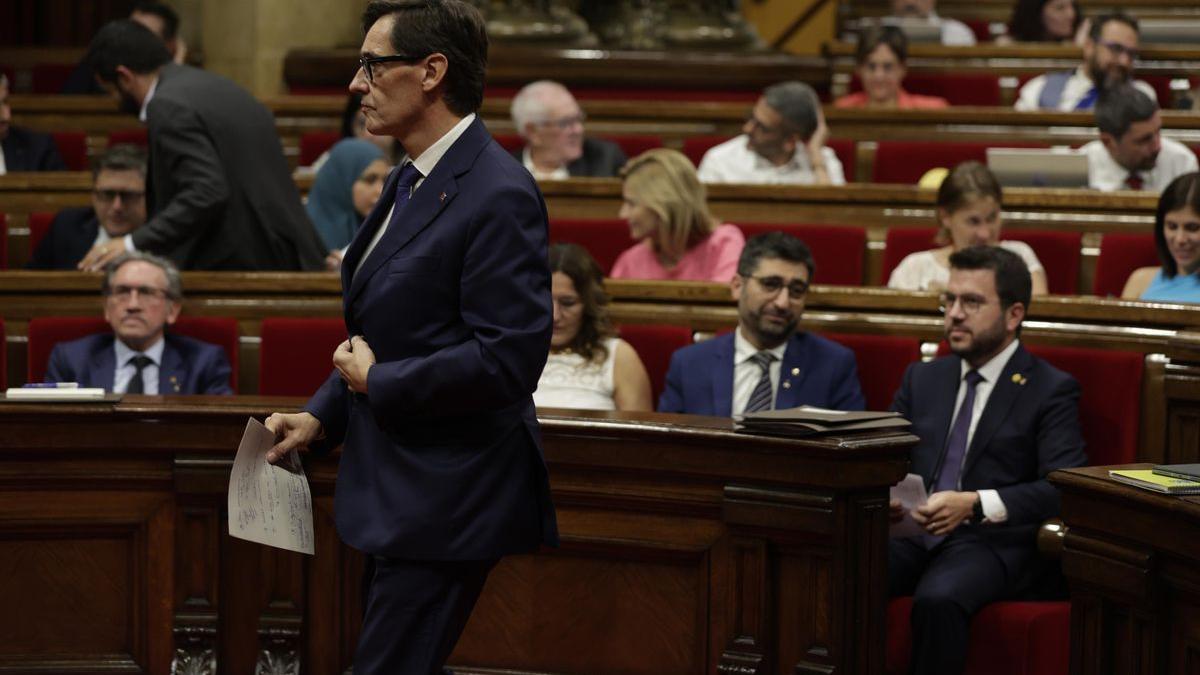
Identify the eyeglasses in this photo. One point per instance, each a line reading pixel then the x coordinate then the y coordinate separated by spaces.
pixel 796 289
pixel 107 196
pixel 565 123
pixel 367 63
pixel 1119 49
pixel 124 293
pixel 970 303
pixel 755 125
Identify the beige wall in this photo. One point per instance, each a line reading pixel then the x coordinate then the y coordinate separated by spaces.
pixel 773 17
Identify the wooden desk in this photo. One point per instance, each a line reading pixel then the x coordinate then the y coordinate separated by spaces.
pixel 686 549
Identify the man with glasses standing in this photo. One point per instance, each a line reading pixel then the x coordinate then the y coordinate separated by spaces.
pixel 551 122
pixel 993 421
pixel 782 143
pixel 447 305
pixel 766 364
pixel 142 296
pixel 1110 55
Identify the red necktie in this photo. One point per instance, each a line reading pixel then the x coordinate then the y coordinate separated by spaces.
pixel 1134 181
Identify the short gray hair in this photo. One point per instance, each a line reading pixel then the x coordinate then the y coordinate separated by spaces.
pixel 174 280
pixel 528 106
pixel 797 103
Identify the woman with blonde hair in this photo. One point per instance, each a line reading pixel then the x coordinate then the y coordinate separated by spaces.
pixel 665 206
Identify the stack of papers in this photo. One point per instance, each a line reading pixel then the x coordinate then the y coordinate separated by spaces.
pixel 1148 480
pixel 810 421
pixel 54 394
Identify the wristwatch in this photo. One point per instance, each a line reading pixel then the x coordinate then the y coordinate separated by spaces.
pixel 977 510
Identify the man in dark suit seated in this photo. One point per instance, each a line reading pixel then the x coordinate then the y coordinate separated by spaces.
pixel 24 150
pixel 142 295
pixel 993 421
pixel 551 122
pixel 161 19
pixel 766 363
pixel 118 208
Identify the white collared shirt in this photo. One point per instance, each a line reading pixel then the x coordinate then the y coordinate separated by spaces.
pixel 425 164
pixel 1174 160
pixel 993 507
pixel 560 173
pixel 747 373
pixel 954 32
pixel 125 370
pixel 146 101
pixel 1077 86
pixel 3 165
pixel 734 162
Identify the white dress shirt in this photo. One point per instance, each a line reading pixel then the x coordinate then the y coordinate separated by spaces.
pixel 125 370
pixel 1078 86
pixel 734 162
pixel 747 373
pixel 1174 160
pixel 954 32
pixel 425 164
pixel 993 507
pixel 141 116
pixel 560 173
pixel 3 165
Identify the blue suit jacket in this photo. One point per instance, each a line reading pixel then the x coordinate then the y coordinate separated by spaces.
pixel 1029 428
pixel 188 366
pixel 700 378
pixel 442 457
pixel 70 237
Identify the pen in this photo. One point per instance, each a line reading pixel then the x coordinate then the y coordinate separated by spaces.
pixel 51 385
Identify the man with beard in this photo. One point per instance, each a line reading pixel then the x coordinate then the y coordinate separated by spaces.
pixel 993 421
pixel 1131 154
pixel 551 122
pixel 782 142
pixel 766 364
pixel 222 196
pixel 1109 53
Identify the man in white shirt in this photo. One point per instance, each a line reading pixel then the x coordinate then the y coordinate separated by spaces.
pixel 551 122
pixel 782 143
pixel 1131 153
pixel 993 421
pixel 1109 53
pixel 954 33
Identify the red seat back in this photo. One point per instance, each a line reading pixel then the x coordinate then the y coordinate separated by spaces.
pixel 604 238
pixel 3 241
pixel 39 226
pixel 903 241
pixel 314 143
pixel 655 343
pixel 695 146
pixel 882 360
pixel 45 332
pixel 3 356
pixel 1059 253
pixel 907 161
pixel 49 78
pixel 847 153
pixel 634 145
pixel 510 142
pixel 838 250
pixel 72 146
pixel 1120 255
pixel 296 355
pixel 136 137
pixel 980 89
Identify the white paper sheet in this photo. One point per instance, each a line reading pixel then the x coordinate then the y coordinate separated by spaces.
pixel 911 493
pixel 269 504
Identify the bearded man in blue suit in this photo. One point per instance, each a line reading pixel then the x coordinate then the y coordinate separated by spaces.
pixel 447 305
pixel 766 363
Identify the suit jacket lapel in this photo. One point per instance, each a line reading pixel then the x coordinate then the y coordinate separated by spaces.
pixel 1004 394
pixel 370 226
pixel 942 409
pixel 103 370
pixel 722 377
pixel 172 372
pixel 795 357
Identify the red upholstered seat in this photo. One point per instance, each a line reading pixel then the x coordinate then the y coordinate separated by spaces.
pixel 882 360
pixel 903 241
pixel 982 28
pixel 39 227
pixel 510 142
pixel 49 78
pixel 1059 253
pixel 980 89
pixel 634 145
pixel 604 238
pixel 136 137
pixel 314 143
pixel 296 355
pixel 1120 255
pixel 907 161
pixel 45 332
pixel 655 343
pixel 72 146
pixel 695 146
pixel 3 241
pixel 3 357
pixel 838 250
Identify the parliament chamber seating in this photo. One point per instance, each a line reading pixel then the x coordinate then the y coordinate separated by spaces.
pixel 296 354
pixel 907 161
pixel 314 143
pixel 49 78
pixel 655 343
pixel 136 137
pixel 881 360
pixel 1120 255
pixel 633 144
pixel 695 146
pixel 510 142
pixel 39 227
pixel 977 89
pixel 45 332
pixel 3 357
pixel 3 241
pixel 604 238
pixel 838 250
pixel 72 146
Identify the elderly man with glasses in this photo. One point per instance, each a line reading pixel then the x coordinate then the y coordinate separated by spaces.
pixel 551 122
pixel 1110 55
pixel 142 296
pixel 766 363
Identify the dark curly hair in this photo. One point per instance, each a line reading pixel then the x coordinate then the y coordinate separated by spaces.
pixel 575 262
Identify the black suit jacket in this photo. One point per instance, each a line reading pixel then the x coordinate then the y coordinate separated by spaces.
pixel 220 194
pixel 1029 428
pixel 70 237
pixel 600 159
pixel 26 150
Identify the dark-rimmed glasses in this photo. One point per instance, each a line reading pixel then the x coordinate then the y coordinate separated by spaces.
pixel 1119 49
pixel 970 303
pixel 772 284
pixel 107 196
pixel 367 63
pixel 123 293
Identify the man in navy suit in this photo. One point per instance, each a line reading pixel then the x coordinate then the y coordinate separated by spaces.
pixel 447 302
pixel 141 298
pixel 993 421
pixel 21 149
pixel 766 363
pixel 118 208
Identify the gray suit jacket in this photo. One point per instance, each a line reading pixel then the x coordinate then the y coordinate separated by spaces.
pixel 219 190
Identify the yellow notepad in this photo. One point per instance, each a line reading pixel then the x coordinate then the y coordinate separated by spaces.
pixel 1148 480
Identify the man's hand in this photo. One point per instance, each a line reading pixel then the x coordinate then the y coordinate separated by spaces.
pixel 816 151
pixel 333 261
pixel 353 358
pixel 896 511
pixel 292 432
pixel 945 511
pixel 101 255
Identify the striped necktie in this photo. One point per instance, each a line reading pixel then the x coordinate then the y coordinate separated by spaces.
pixel 760 398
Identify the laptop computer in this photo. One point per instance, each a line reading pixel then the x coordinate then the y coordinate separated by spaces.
pixel 1038 167
pixel 916 30
pixel 1179 31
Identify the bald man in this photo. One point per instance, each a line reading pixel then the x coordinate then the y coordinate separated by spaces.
pixel 551 122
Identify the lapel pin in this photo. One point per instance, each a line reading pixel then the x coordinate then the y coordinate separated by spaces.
pixel 795 371
pixel 1018 378
pixel 787 384
pixel 442 197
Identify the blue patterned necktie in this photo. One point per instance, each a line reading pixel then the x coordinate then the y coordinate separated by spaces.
pixel 409 175
pixel 956 446
pixel 1088 100
pixel 760 398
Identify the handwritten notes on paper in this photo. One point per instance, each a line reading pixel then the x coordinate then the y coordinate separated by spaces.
pixel 911 493
pixel 269 503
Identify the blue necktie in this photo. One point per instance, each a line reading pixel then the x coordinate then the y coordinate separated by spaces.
pixel 760 398
pixel 409 175
pixel 956 446
pixel 1088 100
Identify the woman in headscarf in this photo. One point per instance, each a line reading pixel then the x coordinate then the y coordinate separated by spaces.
pixel 345 189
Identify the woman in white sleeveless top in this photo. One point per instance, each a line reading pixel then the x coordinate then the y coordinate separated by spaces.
pixel 588 367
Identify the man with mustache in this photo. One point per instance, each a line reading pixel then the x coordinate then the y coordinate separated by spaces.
pixel 142 296
pixel 1109 53
pixel 1131 153
pixel 993 422
pixel 766 363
